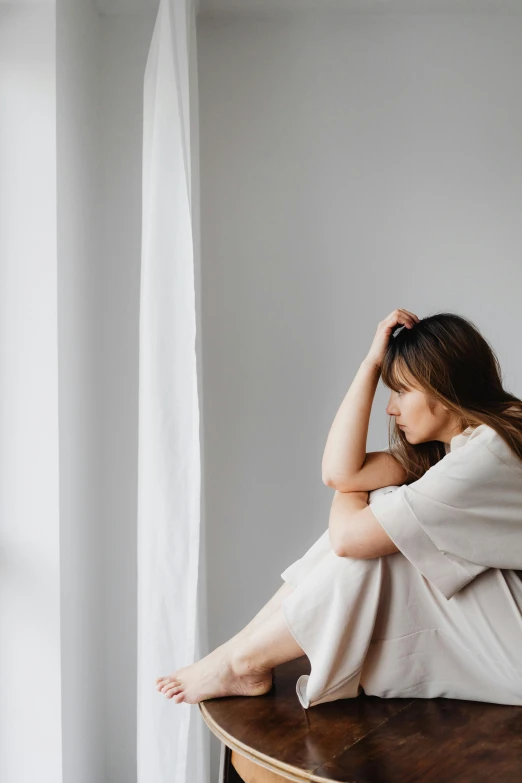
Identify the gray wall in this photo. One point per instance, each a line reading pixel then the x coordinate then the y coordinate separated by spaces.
pixel 125 42
pixel 350 164
pixel 100 68
pixel 80 283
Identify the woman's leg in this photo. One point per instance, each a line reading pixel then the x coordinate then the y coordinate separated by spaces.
pixel 268 644
pixel 240 667
pixel 231 661
pixel 268 609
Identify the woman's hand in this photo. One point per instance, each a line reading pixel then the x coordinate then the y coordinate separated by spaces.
pixel 385 328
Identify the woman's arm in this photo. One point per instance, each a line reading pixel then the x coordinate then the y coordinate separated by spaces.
pixel 380 469
pixel 354 529
pixel 345 450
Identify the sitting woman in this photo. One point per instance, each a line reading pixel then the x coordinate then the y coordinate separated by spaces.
pixel 413 590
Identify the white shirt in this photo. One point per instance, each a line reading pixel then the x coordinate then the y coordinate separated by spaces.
pixel 463 516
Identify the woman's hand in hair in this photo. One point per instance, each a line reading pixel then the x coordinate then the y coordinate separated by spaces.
pixel 398 317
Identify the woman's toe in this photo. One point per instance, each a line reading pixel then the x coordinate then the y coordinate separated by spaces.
pixel 172 678
pixel 173 691
pixel 170 684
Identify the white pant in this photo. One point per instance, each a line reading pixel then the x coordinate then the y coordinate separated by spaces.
pixel 380 625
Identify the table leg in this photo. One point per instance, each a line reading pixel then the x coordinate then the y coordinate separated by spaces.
pixel 227 773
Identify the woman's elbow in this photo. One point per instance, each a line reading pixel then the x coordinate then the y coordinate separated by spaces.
pixel 341 485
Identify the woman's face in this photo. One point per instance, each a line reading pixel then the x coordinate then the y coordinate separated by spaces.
pixel 413 416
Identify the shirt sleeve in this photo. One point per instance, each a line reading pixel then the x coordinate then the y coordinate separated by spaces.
pixel 463 516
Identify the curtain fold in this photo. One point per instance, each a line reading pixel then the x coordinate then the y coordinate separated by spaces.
pixel 171 739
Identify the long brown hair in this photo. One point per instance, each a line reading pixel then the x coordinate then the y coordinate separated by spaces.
pixel 453 363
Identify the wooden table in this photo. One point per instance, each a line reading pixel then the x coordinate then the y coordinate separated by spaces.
pixel 272 739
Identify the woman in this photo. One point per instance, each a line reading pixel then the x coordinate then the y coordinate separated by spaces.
pixel 413 590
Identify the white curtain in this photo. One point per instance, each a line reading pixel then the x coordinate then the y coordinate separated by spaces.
pixel 172 738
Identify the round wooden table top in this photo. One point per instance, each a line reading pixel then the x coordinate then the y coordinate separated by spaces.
pixel 367 739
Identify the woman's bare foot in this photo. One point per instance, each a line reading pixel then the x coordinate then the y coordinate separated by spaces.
pixel 214 676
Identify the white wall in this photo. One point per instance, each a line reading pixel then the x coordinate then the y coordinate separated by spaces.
pixel 350 164
pixel 30 682
pixel 80 287
pixel 101 74
pixel 101 63
pixel 125 43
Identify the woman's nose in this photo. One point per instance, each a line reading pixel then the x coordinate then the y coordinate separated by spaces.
pixel 391 409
